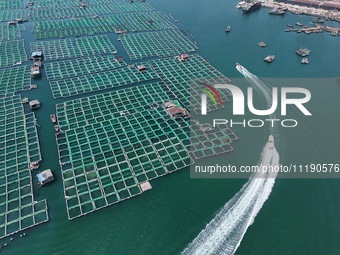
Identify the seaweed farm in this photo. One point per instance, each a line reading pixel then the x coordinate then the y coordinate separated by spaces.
pixel 19 146
pixel 73 48
pixel 14 80
pixel 12 52
pixel 156 44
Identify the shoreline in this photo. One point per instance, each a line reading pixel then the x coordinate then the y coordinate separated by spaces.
pixel 304 10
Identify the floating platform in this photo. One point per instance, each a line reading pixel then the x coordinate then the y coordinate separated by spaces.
pixel 156 44
pixel 180 75
pixel 74 48
pixel 11 5
pixel 131 21
pixel 11 33
pixel 14 79
pixel 81 66
pixel 12 52
pixel 18 147
pixel 100 81
pixel 112 143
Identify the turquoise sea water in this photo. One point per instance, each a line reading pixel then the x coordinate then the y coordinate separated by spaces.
pixel 300 217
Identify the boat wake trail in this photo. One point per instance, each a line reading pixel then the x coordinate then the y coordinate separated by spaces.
pixel 225 232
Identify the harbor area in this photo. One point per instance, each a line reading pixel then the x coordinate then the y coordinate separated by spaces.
pixel 324 9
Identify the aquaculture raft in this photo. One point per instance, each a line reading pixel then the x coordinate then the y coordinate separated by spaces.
pixel 73 48
pixel 136 21
pixel 9 33
pixel 18 147
pixel 100 81
pixel 82 66
pixel 111 143
pixel 11 4
pixel 9 15
pixel 12 52
pixel 159 44
pixel 13 80
pixel 179 76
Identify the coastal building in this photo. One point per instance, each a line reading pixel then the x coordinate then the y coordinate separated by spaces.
pixel 327 5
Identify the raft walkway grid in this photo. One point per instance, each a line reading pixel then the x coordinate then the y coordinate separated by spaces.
pixel 18 147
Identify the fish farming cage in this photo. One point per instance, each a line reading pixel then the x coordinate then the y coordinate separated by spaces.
pixel 18 208
pixel 14 79
pixel 200 86
pixel 52 4
pixel 10 33
pixel 156 44
pixel 135 7
pixel 59 12
pixel 100 81
pixel 119 23
pixel 90 110
pixel 82 66
pixel 111 143
pixel 206 140
pixel 9 15
pixel 178 75
pixel 145 21
pixel 75 27
pixel 11 4
pixel 105 163
pixel 12 52
pixel 63 10
pixel 74 48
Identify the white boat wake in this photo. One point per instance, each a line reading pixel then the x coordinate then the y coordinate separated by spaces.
pixel 224 233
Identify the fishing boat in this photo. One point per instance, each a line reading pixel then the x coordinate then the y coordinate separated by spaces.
pixel 318 20
pixel 56 128
pixel 53 118
pixel 303 52
pixel 240 4
pixel 228 29
pixel 299 24
pixel 304 61
pixel 269 58
pixel 262 44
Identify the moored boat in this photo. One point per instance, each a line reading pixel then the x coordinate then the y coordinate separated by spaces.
pixel 304 61
pixel 303 52
pixel 269 58
pixel 262 44
pixel 53 118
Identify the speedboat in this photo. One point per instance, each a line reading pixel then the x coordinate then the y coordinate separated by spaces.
pixel 271 142
pixel 269 58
